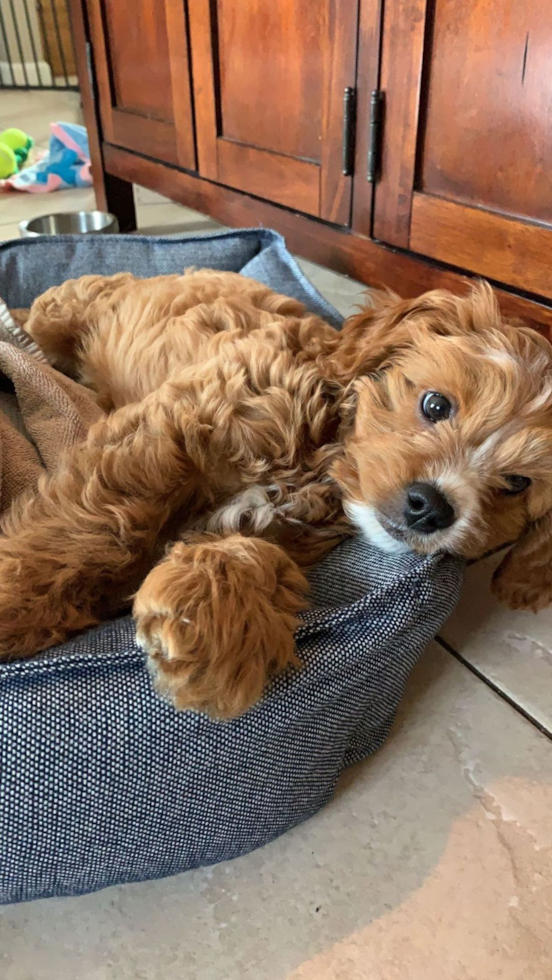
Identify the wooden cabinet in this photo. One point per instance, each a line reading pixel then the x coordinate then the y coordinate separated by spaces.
pixel 467 169
pixel 141 60
pixel 269 80
pixel 236 107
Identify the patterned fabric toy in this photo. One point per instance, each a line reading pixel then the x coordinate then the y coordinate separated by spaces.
pixel 15 147
pixel 66 164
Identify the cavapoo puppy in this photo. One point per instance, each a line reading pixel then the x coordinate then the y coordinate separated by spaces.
pixel 243 438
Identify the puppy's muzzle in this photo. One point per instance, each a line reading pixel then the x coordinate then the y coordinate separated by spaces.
pixel 426 509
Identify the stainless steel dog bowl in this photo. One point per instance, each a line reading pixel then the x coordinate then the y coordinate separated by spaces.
pixel 70 223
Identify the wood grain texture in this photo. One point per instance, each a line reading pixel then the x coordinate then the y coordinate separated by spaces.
pixel 339 54
pixel 271 59
pixel 268 78
pixel 101 67
pixel 55 28
pixel 367 80
pixel 294 183
pixel 202 43
pixel 401 72
pixel 151 136
pixel 350 254
pixel 136 80
pixel 490 61
pixel 514 252
pixel 181 83
pixel 80 31
pixel 112 193
pixel 138 47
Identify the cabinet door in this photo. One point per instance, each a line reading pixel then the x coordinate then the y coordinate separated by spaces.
pixel 269 79
pixel 142 68
pixel 467 148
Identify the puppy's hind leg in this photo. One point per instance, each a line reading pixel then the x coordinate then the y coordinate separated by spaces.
pixel 78 549
pixel 217 618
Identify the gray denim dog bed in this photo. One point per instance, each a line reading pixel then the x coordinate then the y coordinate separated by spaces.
pixel 101 781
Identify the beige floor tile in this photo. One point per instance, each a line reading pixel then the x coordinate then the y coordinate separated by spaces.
pixel 20 206
pixel 9 231
pixel 512 649
pixel 165 217
pixel 343 293
pixel 34 111
pixel 433 862
pixel 142 195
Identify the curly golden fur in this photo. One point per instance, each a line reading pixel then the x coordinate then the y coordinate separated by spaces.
pixel 242 437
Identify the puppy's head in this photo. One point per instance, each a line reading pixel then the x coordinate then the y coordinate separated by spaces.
pixel 451 448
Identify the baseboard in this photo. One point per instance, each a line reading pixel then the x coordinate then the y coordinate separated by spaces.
pixel 27 73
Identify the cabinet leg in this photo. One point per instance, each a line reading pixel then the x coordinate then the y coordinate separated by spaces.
pixel 116 196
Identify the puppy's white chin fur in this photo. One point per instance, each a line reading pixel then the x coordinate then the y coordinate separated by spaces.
pixel 365 518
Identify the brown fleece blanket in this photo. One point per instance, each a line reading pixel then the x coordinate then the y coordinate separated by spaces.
pixel 42 412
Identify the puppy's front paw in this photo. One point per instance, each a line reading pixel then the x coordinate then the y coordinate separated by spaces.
pixel 217 618
pixel 532 592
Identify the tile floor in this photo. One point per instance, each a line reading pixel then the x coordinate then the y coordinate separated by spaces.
pixel 433 861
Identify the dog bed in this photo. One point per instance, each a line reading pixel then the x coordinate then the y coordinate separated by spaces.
pixel 101 781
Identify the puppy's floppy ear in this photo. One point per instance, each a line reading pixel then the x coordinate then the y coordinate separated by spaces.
pixel 524 579
pixel 370 338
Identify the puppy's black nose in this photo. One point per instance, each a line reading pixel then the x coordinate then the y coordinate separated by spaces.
pixel 427 509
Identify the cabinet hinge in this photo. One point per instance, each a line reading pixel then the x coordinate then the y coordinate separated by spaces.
pixel 348 145
pixel 374 135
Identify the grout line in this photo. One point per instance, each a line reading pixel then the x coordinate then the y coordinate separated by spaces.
pixel 497 690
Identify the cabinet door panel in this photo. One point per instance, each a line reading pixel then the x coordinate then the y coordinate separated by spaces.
pixel 466 174
pixel 141 62
pixel 280 31
pixel 293 183
pixel 134 43
pixel 494 149
pixel 269 78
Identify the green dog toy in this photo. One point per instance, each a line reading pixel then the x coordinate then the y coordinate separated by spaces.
pixel 15 147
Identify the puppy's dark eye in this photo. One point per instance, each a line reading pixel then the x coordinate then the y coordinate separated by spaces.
pixel 436 407
pixel 516 484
